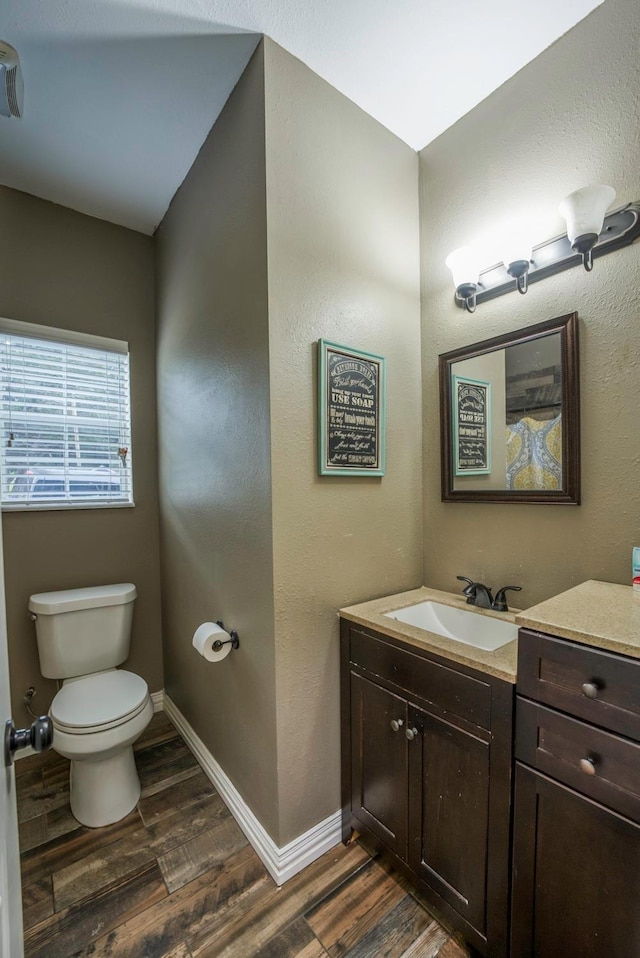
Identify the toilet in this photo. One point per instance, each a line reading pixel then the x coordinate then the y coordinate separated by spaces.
pixel 100 710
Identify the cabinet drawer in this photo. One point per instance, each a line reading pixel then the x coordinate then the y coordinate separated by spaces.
pixel 446 689
pixel 596 763
pixel 601 687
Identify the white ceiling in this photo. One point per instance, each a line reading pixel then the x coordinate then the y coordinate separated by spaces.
pixel 120 94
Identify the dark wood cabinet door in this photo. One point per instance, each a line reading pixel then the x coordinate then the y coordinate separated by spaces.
pixel 379 762
pixel 449 813
pixel 576 875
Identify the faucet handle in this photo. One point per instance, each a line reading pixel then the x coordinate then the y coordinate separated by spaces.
pixel 463 578
pixel 500 602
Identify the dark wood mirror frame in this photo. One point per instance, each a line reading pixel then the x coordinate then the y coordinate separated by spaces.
pixel 567 326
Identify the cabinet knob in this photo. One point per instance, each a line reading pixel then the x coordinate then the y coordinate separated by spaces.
pixel 411 733
pixel 591 689
pixel 588 766
pixel 396 724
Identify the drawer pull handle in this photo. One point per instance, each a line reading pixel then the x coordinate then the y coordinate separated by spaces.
pixel 411 733
pixel 591 690
pixel 588 766
pixel 396 724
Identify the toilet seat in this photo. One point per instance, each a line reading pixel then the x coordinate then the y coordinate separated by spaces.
pixel 95 703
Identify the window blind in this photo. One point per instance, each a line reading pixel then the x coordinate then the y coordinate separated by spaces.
pixel 65 421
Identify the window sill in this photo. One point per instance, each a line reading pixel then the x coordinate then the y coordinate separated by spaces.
pixel 62 506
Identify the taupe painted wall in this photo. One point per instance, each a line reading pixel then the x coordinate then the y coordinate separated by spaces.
pixel 250 532
pixel 213 380
pixel 569 118
pixel 64 269
pixel 343 265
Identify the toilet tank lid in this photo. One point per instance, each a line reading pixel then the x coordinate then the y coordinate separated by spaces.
pixel 71 600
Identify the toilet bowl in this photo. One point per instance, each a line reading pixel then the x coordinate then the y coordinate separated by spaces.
pixel 96 720
pixel 97 715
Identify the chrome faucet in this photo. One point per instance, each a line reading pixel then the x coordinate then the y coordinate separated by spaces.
pixel 480 595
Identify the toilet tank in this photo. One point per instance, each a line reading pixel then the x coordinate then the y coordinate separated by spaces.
pixel 80 631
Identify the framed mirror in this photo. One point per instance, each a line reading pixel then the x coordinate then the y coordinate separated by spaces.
pixel 510 417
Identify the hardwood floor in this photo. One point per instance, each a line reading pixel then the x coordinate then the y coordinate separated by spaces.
pixel 177 878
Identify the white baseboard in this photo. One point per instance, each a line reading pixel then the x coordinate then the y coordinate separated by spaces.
pixel 281 863
pixel 158 700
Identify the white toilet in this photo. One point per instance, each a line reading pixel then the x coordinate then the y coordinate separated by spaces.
pixel 99 712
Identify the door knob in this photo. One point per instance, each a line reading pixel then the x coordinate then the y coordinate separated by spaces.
pixel 396 724
pixel 39 736
pixel 411 733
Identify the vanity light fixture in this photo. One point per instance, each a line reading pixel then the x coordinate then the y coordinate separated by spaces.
pixel 464 264
pixel 591 232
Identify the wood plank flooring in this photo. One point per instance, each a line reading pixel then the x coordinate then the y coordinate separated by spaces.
pixel 177 878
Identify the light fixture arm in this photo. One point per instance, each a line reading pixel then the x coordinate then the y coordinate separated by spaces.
pixel 585 249
pixel 519 269
pixel 621 227
pixel 466 295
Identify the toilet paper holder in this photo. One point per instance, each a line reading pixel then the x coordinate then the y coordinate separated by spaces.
pixel 233 638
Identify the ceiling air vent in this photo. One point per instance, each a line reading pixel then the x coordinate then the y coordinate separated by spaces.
pixel 11 86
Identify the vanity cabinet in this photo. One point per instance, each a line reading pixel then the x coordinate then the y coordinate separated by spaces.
pixel 426 761
pixel 576 851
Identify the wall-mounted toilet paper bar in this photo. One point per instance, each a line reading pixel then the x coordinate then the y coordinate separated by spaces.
pixel 233 638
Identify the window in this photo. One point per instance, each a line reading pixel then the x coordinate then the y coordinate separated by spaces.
pixel 65 421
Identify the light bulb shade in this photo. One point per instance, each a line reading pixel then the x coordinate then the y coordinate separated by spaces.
pixel 584 211
pixel 464 265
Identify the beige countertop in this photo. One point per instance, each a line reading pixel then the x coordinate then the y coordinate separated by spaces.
pixel 502 663
pixel 602 614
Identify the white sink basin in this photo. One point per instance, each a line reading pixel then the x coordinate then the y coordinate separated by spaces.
pixel 481 631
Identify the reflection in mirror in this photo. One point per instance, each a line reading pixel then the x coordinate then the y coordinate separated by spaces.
pixel 510 417
pixel 533 376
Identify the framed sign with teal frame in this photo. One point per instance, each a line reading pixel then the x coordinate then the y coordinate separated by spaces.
pixel 471 426
pixel 352 410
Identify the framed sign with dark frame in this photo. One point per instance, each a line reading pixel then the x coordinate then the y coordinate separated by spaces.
pixel 472 426
pixel 351 429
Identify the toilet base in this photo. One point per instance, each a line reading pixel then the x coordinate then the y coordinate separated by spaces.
pixel 104 790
